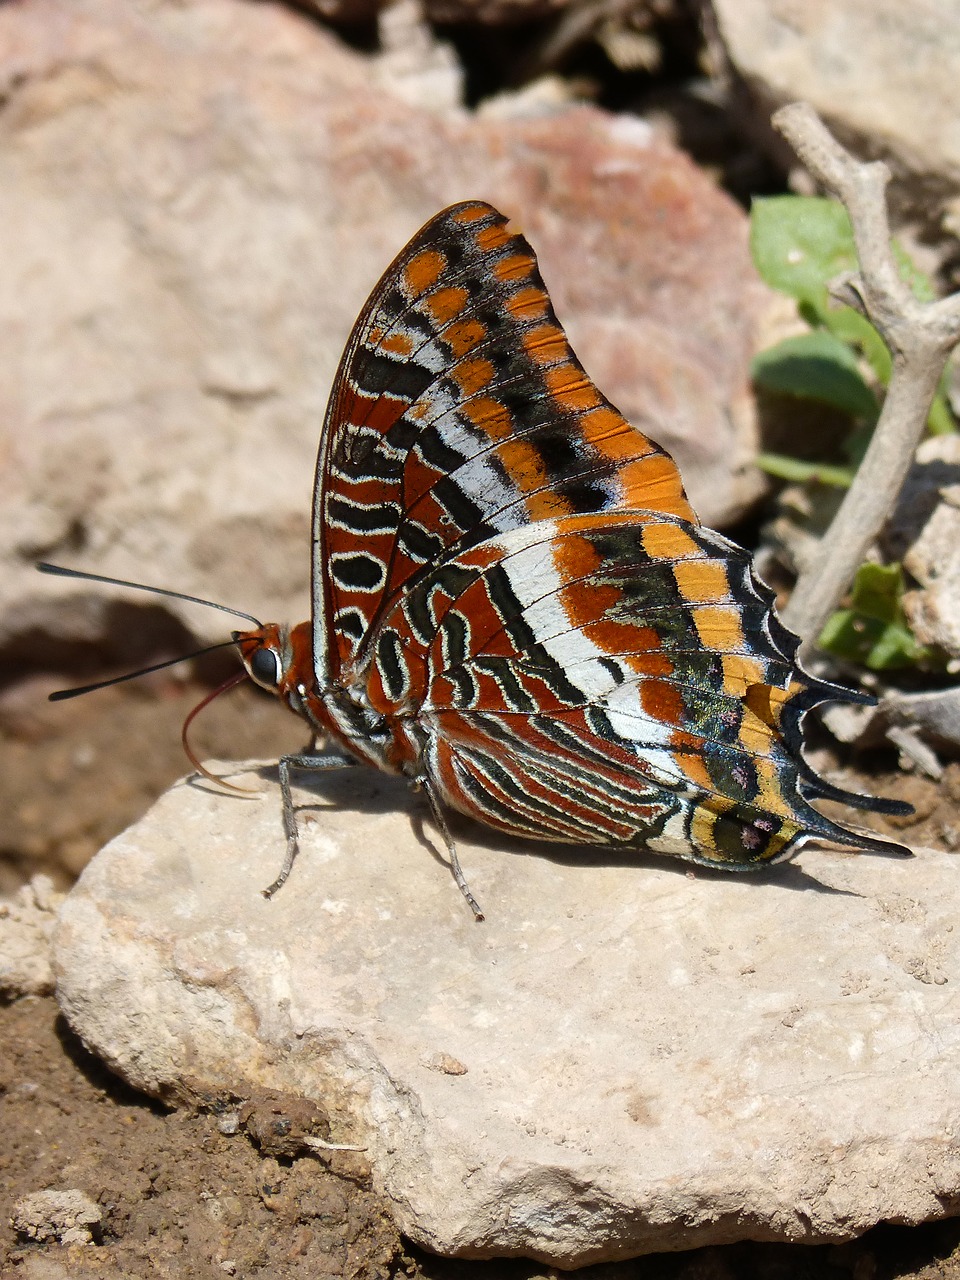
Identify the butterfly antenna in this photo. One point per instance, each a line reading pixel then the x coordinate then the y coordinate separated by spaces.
pixel 59 571
pixel 61 695
pixel 191 755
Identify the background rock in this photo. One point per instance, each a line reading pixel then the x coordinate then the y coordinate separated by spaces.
pixel 927 526
pixel 484 12
pixel 881 73
pixel 196 200
pixel 626 1056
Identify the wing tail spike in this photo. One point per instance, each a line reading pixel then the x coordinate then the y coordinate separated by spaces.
pixel 812 784
pixel 876 844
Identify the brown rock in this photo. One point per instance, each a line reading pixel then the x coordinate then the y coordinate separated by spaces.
pixel 480 12
pixel 196 200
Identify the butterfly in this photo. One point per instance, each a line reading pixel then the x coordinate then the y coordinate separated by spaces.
pixel 515 605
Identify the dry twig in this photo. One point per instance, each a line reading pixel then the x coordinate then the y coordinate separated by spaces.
pixel 919 335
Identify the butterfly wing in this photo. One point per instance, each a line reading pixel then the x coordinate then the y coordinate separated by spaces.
pixel 511 575
pixel 459 411
pixel 623 679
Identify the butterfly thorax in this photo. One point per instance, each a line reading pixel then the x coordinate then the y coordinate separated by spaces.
pixel 280 659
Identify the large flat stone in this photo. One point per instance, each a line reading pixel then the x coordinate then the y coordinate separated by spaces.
pixel 625 1056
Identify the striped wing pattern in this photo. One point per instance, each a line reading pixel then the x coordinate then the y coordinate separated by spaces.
pixel 513 587
pixel 459 411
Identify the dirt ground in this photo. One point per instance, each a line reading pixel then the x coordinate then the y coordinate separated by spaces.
pixel 190 1194
pixel 181 1198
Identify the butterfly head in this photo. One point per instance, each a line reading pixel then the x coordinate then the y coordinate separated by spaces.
pixel 277 658
pixel 266 654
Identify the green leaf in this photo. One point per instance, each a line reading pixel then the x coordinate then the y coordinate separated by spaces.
pixel 917 281
pixel 792 469
pixel 799 243
pixel 940 420
pixel 856 330
pixel 816 366
pixel 874 630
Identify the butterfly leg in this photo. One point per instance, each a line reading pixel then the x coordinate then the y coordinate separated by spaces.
pixel 290 827
pixel 451 848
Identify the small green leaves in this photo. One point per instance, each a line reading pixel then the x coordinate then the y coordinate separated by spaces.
pixel 816 366
pixel 800 246
pixel 796 471
pixel 874 630
pixel 801 243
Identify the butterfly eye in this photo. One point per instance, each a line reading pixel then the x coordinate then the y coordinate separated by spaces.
pixel 265 668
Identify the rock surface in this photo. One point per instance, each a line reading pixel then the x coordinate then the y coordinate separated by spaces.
pixel 865 66
pixel 624 1057
pixel 69 1217
pixel 196 200
pixel 927 524
pixel 26 927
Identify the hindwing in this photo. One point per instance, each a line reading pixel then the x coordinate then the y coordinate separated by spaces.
pixel 507 565
pixel 620 679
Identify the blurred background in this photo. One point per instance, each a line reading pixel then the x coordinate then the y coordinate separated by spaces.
pixel 196 197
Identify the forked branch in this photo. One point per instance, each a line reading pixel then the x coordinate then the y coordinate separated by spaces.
pixel 920 336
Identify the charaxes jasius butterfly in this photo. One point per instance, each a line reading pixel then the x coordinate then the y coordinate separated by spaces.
pixel 515 605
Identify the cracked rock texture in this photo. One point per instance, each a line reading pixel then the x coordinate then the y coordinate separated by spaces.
pixel 626 1056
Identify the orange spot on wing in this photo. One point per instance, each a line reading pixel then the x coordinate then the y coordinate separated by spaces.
pixel 661 701
pixel 524 465
pixel 544 504
pixel 740 671
pixel 473 375
pixel 701 581
pixel 546 344
pixel 422 271
pixel 446 304
pixel 755 733
pixel 378 412
pixel 472 213
pixel 397 343
pixel 609 432
pixel 718 627
pixel 687 754
pixel 464 335
pixel 649 663
pixel 662 541
pixel 517 266
pixel 575 558
pixel 654 483
pixel 494 237
pixel 767 702
pixel 572 389
pixel 490 416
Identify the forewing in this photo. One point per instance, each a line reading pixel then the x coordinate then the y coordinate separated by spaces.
pixel 459 412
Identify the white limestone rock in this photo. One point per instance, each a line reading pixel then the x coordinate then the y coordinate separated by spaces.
pixel 626 1056
pixel 26 926
pixel 69 1217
